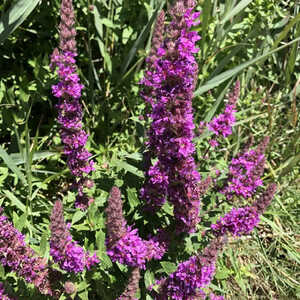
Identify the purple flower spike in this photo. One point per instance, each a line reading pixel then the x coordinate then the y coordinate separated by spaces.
pixel 265 198
pixel 16 255
pixel 132 286
pixel 130 250
pixel 66 252
pixel 123 242
pixel 192 275
pixel 238 221
pixel 245 172
pixel 222 124
pixel 168 86
pixel 68 90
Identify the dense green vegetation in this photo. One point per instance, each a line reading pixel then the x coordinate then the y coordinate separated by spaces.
pixel 254 41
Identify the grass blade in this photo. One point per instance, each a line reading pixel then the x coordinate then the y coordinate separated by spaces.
pixel 241 5
pixel 40 155
pixel 139 41
pixel 286 30
pixel 206 16
pixel 230 73
pixel 11 164
pixel 15 16
pixel 211 113
pixel 14 200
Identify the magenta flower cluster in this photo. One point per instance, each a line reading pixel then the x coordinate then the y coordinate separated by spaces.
pixel 168 87
pixel 223 123
pixel 191 276
pixel 123 242
pixel 239 221
pixel 15 254
pixel 70 114
pixel 133 251
pixel 73 258
pixel 69 85
pixel 188 277
pixel 66 252
pixel 245 172
pixel 70 118
pixel 129 250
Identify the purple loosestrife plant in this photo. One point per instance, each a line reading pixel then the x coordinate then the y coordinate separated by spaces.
pixel 168 87
pixel 16 255
pixel 155 188
pixel 70 114
pixel 66 252
pixel 123 242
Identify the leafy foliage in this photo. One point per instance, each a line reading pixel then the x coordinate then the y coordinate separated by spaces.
pixel 254 40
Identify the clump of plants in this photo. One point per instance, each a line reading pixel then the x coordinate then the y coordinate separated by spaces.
pixel 174 197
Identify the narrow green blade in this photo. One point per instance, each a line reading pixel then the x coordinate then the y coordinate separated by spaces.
pixel 15 16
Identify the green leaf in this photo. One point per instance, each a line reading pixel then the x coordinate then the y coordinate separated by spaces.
pixel 18 159
pixel 100 241
pixel 167 208
pixel 62 297
pixel 14 200
pixel 2 271
pixel 82 290
pixel 149 278
pixel 206 16
pixel 107 22
pixel 11 164
pixel 132 197
pixel 230 73
pixel 135 156
pixel 292 163
pixel 286 30
pixel 98 24
pixel 139 41
pixel 127 167
pixel 223 273
pixel 78 216
pixel 44 243
pixel 15 16
pixel 127 32
pixel 292 57
pixel 20 223
pixel 105 55
pixel 241 5
pixel 168 267
pixel 105 261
